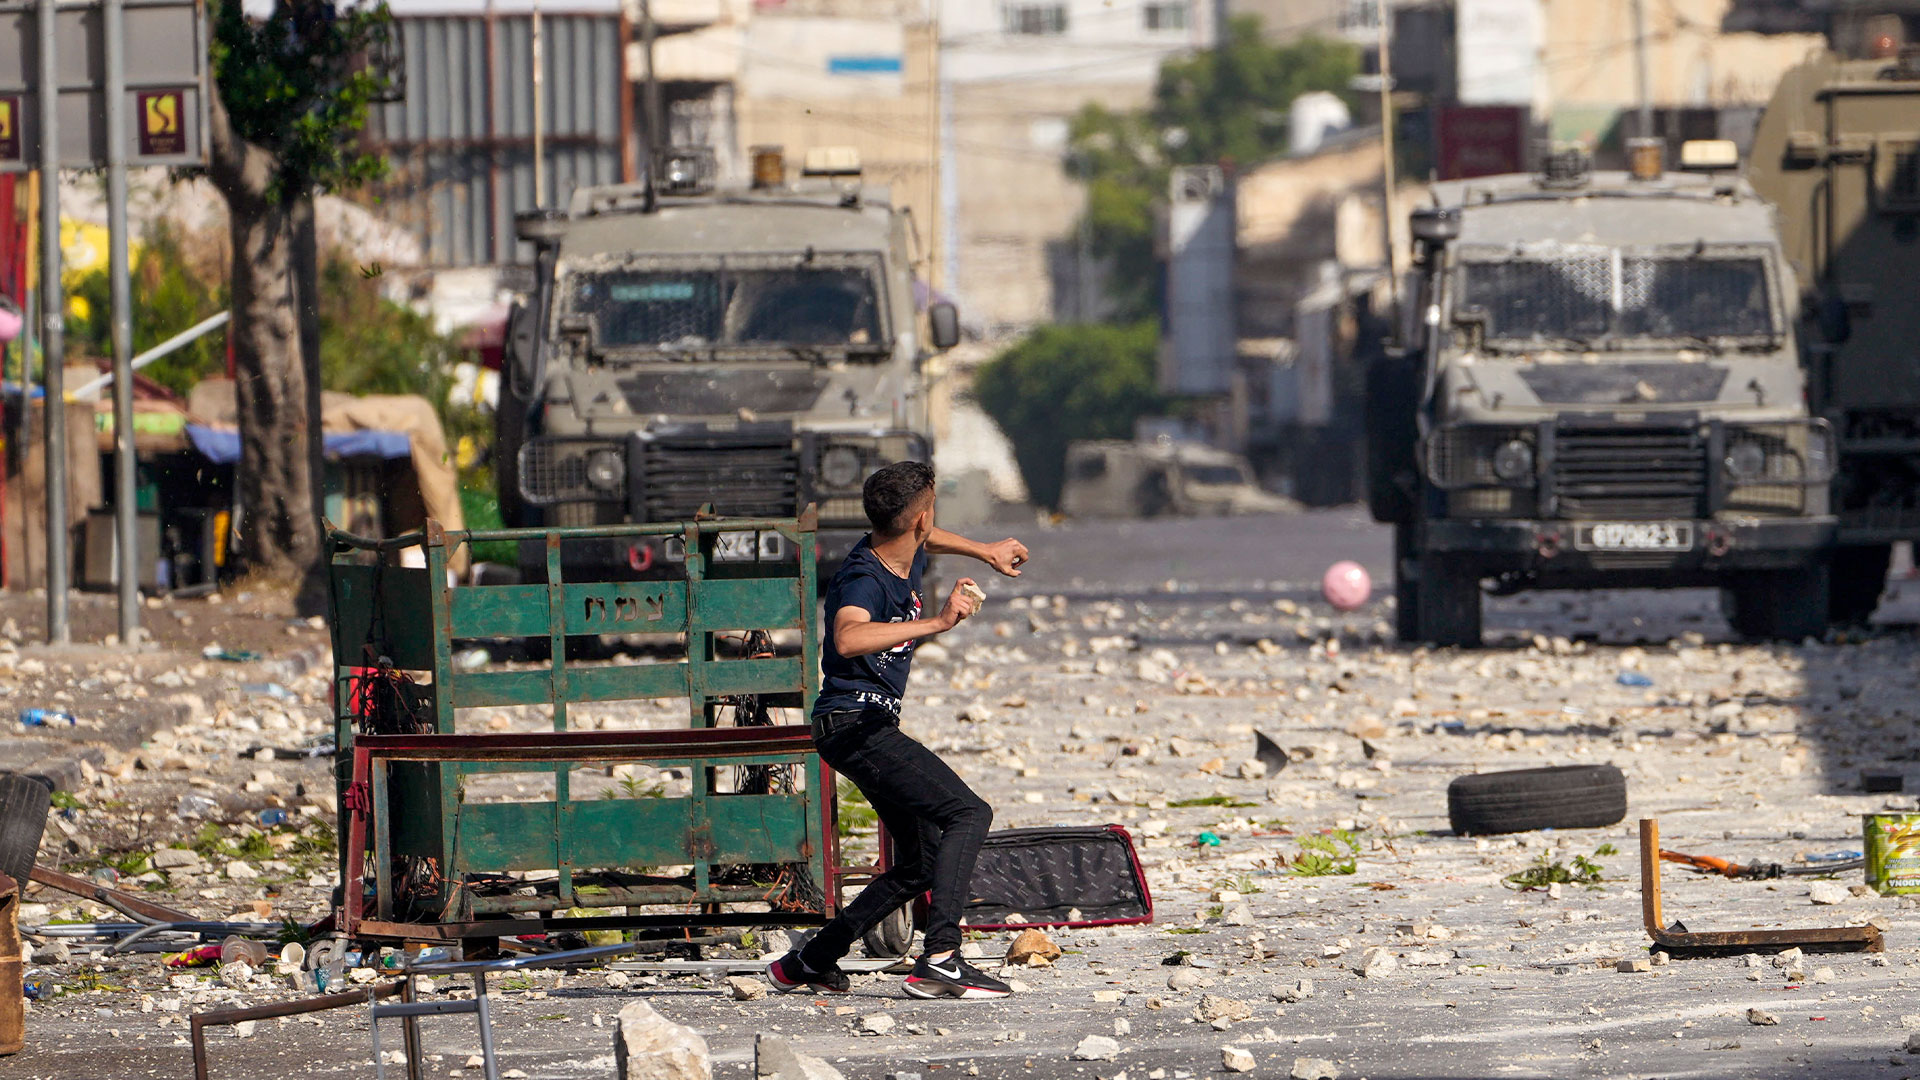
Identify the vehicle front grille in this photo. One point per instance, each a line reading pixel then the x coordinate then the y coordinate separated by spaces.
pixel 1629 473
pixel 741 478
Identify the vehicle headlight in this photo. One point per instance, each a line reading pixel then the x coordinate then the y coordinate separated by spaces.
pixel 1746 462
pixel 1513 461
pixel 605 470
pixel 840 467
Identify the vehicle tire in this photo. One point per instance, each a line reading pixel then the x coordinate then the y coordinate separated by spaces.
pixel 893 937
pixel 1406 599
pixel 1392 402
pixel 1857 577
pixel 1778 605
pixel 1446 604
pixel 1521 800
pixel 24 802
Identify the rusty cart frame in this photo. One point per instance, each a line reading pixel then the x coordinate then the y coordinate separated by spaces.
pixel 444 868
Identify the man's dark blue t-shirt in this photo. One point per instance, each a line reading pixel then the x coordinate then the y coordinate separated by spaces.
pixel 876 679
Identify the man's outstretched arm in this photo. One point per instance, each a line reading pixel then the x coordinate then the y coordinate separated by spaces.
pixel 1005 556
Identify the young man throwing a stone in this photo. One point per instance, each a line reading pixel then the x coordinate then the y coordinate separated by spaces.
pixel 873 620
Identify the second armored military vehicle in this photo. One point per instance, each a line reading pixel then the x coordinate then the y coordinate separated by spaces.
pixel 1838 151
pixel 1598 385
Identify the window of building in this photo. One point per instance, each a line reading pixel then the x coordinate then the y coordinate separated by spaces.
pixel 1034 18
pixel 1164 15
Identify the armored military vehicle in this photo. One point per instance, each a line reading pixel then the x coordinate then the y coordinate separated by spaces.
pixel 753 350
pixel 1598 385
pixel 1838 151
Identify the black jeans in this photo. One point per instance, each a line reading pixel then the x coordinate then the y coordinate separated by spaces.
pixel 936 821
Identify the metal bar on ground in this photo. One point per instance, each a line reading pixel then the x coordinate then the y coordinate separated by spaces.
pixel 198 1022
pixel 93 890
pixel 1677 940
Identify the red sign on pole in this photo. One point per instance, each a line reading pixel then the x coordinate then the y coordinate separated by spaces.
pixel 1481 140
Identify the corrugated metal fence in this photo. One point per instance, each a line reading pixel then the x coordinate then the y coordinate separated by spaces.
pixel 460 146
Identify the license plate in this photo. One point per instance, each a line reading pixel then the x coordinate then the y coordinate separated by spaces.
pixel 749 547
pixel 1634 536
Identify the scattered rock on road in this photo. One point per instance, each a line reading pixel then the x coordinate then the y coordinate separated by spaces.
pixel 745 988
pixel 1096 1048
pixel 1033 949
pixel 1234 1059
pixel 1314 1069
pixel 1761 1018
pixel 774 1059
pixel 648 1046
pixel 1214 1007
pixel 1828 892
pixel 873 1024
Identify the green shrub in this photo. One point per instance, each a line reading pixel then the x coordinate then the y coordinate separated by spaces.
pixel 1062 383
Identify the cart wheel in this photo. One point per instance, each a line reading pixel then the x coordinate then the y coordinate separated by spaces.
pixel 893 937
pixel 324 951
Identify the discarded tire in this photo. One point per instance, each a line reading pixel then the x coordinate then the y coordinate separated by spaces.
pixel 24 802
pixel 1520 800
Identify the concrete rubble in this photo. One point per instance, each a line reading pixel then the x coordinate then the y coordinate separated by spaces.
pixel 1126 704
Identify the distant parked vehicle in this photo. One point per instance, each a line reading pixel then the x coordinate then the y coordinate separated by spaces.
pixel 1112 478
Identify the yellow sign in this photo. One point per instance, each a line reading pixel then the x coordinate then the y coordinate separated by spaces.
pixel 162 125
pixel 9 129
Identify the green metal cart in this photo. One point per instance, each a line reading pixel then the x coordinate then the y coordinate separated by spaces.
pixel 424 859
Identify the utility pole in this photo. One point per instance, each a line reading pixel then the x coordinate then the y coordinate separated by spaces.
pixel 1388 204
pixel 53 328
pixel 125 494
pixel 539 115
pixel 1640 68
pixel 650 101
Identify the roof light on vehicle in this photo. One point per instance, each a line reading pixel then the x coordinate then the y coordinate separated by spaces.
pixel 1709 155
pixel 769 166
pixel 686 170
pixel 1645 158
pixel 831 161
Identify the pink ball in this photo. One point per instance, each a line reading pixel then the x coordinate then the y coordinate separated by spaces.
pixel 1346 585
pixel 9 324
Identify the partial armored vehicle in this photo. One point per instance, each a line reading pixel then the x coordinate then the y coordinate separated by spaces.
pixel 1599 386
pixel 752 350
pixel 1838 151
pixel 1112 478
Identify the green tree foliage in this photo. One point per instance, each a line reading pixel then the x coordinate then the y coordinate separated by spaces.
pixel 1216 106
pixel 1062 383
pixel 171 292
pixel 296 85
pixel 371 345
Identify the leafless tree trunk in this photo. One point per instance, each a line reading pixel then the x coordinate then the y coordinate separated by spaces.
pixel 277 398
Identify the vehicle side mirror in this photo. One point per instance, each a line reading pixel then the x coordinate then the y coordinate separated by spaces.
pixel 1836 323
pixel 944 320
pixel 523 343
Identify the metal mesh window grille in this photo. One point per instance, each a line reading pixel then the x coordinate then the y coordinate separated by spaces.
pixel 1693 298
pixel 826 306
pixel 1563 298
pixel 1595 294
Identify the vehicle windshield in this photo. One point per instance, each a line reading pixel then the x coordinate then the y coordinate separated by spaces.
pixel 833 307
pixel 1214 474
pixel 1593 297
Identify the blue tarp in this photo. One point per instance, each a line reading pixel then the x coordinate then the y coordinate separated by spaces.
pixel 222 447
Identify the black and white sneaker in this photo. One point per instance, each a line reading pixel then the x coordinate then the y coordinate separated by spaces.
pixel 953 978
pixel 788 974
